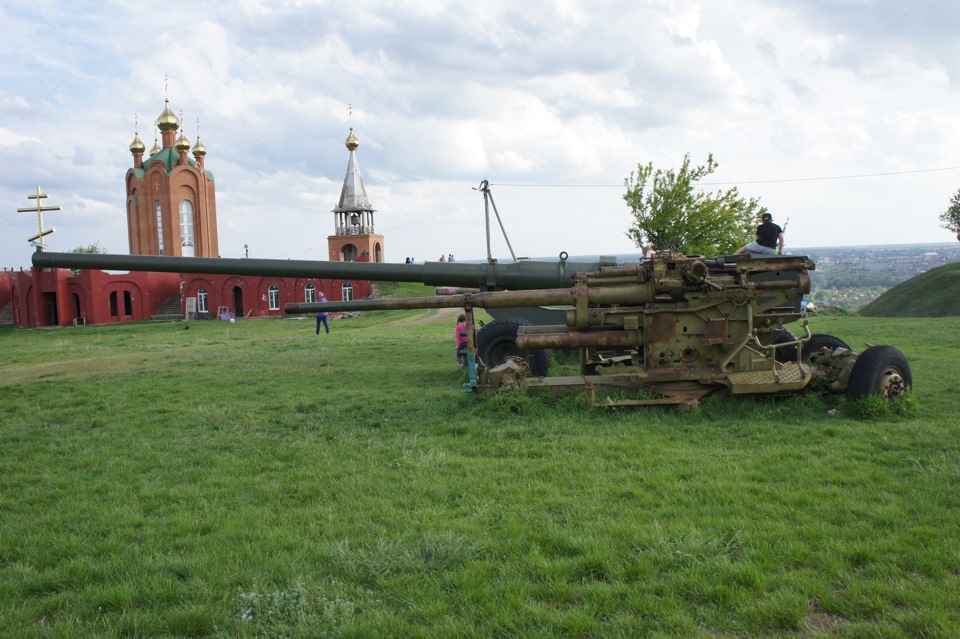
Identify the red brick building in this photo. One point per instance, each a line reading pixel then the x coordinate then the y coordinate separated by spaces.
pixel 171 210
pixel 171 199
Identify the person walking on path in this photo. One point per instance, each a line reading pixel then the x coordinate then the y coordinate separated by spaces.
pixel 322 316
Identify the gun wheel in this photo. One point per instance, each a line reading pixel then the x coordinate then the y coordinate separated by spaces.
pixel 819 341
pixel 880 370
pixel 786 353
pixel 497 341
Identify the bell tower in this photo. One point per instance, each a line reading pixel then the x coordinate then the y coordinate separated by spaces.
pixel 171 197
pixel 354 233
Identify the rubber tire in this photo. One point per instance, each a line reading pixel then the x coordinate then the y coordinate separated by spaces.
pixel 499 339
pixel 817 341
pixel 872 366
pixel 788 354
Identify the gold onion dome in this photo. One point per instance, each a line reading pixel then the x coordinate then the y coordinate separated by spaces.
pixel 198 149
pixel 137 147
pixel 183 144
pixel 352 141
pixel 168 120
pixel 156 148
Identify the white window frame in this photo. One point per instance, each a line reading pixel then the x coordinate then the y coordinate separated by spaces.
pixel 346 291
pixel 187 240
pixel 202 300
pixel 310 293
pixel 273 298
pixel 159 227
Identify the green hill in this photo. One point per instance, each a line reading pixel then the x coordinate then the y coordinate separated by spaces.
pixel 935 293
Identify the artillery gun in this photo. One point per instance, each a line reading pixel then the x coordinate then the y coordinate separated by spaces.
pixel 675 327
pixel 495 340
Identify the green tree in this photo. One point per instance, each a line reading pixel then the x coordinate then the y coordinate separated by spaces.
pixel 89 248
pixel 950 219
pixel 671 212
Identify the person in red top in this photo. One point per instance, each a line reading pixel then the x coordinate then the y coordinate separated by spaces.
pixel 461 335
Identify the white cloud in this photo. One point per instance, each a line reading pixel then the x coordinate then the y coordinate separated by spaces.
pixel 446 94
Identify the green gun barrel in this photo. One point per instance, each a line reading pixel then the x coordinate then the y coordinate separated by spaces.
pixel 486 276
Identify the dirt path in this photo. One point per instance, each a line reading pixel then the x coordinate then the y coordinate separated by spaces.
pixel 441 313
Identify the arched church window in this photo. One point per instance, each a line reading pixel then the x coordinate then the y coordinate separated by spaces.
pixel 202 300
pixel 273 297
pixel 159 228
pixel 186 229
pixel 348 253
pixel 347 291
pixel 310 293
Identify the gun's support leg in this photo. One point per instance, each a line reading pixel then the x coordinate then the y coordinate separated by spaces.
pixel 470 386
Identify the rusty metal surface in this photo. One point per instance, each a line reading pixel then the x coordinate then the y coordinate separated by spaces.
pixel 715 332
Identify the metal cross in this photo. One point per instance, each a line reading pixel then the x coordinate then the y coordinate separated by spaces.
pixel 37 240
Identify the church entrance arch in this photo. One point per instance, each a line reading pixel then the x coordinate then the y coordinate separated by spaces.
pixel 49 312
pixel 237 301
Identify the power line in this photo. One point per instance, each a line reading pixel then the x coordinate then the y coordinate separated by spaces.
pixel 392 228
pixel 619 186
pixel 838 177
pixel 776 181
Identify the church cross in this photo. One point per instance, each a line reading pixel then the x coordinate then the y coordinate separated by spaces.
pixel 37 240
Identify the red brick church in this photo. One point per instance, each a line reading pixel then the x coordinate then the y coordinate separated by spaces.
pixel 171 210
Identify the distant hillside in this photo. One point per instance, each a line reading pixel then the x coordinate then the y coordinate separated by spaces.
pixel 935 293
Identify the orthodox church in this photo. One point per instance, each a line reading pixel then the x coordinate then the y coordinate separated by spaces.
pixel 171 210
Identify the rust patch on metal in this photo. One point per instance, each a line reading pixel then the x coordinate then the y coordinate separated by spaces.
pixel 662 327
pixel 715 332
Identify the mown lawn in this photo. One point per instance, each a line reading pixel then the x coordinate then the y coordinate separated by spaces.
pixel 256 480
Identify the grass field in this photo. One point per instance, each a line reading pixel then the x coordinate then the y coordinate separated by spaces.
pixel 256 480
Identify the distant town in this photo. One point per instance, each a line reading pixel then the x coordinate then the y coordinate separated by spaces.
pixel 850 277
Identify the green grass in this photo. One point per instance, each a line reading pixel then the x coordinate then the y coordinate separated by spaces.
pixel 935 293
pixel 255 480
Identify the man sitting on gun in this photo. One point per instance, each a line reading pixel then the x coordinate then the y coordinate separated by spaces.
pixel 769 239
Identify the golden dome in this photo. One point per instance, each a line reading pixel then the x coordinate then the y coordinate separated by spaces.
pixel 183 144
pixel 198 149
pixel 137 147
pixel 168 120
pixel 352 141
pixel 156 148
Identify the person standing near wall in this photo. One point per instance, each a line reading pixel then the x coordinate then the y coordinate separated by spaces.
pixel 322 315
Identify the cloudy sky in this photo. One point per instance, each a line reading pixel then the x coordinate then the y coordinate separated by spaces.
pixel 842 116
